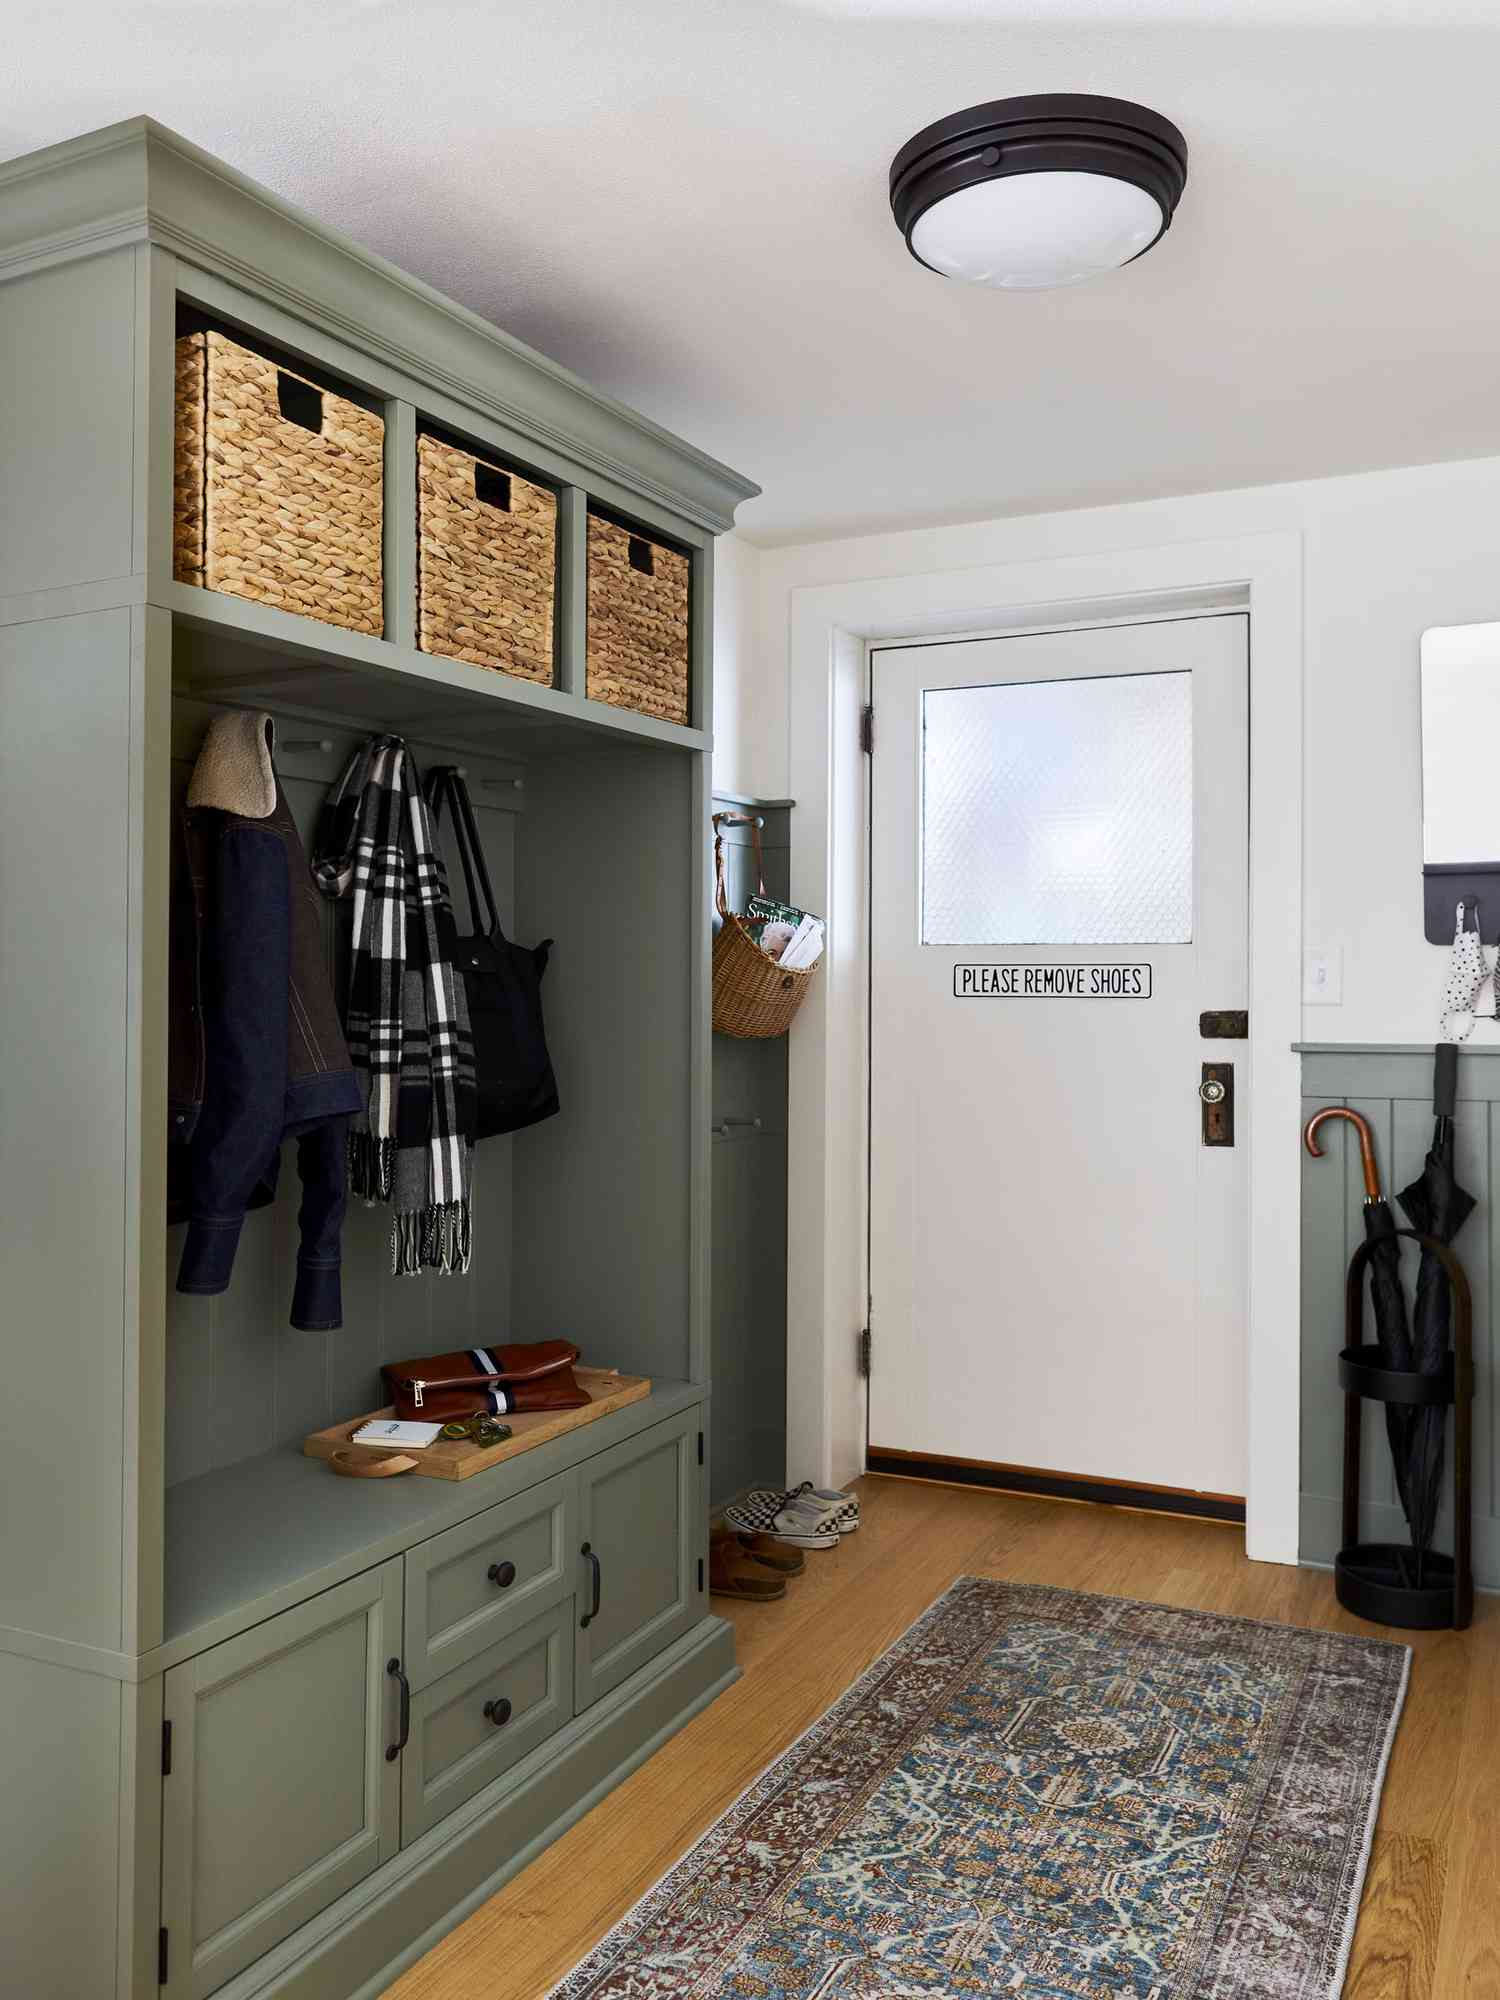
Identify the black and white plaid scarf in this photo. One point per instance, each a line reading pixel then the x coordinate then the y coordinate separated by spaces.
pixel 406 1016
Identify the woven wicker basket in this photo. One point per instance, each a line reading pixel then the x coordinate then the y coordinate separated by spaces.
pixel 638 643
pixel 486 563
pixel 754 997
pixel 283 508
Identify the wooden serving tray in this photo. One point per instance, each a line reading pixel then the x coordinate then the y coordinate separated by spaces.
pixel 461 1458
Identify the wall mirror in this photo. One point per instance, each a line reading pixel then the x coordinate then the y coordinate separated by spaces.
pixel 1460 811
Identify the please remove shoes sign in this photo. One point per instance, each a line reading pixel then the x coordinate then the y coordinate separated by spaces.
pixel 1052 982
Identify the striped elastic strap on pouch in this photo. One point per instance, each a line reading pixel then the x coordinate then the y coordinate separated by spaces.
pixel 484 1361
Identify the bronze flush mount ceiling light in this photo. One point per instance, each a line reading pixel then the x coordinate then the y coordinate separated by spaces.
pixel 1032 192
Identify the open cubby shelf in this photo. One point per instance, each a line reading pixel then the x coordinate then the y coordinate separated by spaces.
pixel 254 654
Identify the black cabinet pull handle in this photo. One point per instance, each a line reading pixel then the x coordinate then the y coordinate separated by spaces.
pixel 498 1711
pixel 393 1668
pixel 503 1574
pixel 593 1611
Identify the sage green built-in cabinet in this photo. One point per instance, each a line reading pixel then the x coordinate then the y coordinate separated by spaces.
pixel 279 1795
pixel 208 1642
pixel 637 1504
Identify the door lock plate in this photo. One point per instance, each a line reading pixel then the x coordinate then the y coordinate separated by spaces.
pixel 1216 1092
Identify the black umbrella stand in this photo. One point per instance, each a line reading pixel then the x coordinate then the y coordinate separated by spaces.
pixel 1378 1580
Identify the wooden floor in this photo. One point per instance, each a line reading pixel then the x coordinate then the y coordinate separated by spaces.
pixel 1430 1927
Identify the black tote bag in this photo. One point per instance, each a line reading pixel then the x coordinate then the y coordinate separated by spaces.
pixel 503 982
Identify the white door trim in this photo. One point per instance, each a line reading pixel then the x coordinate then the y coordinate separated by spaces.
pixel 831 627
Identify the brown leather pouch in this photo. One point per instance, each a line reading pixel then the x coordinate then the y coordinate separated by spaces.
pixel 524 1378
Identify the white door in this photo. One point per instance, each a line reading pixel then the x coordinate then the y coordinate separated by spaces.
pixel 1059 860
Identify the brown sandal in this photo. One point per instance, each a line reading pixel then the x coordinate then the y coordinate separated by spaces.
pixel 731 1573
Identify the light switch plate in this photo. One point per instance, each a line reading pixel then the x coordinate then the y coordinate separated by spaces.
pixel 1323 978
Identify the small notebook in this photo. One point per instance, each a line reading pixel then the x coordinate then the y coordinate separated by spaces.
pixel 401 1436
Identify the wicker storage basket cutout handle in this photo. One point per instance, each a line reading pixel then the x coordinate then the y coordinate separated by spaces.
pixel 278 486
pixel 754 997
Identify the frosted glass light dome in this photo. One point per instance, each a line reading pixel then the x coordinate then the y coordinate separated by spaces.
pixel 1030 232
pixel 1031 192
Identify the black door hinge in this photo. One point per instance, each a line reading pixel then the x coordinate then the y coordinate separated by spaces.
pixel 700 1447
pixel 867 728
pixel 166 1749
pixel 864 1352
pixel 161 1956
pixel 700 1573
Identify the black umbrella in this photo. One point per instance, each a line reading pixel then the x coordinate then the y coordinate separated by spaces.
pixel 1436 1205
pixel 1386 1294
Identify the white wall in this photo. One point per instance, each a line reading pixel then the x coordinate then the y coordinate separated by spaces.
pixel 749 681
pixel 1386 555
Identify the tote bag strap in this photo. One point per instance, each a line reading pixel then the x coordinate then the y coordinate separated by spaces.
pixel 446 782
pixel 437 791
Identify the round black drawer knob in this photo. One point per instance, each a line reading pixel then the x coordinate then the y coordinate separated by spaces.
pixel 503 1574
pixel 498 1711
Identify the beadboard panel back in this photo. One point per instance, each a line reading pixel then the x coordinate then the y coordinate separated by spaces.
pixel 240 1379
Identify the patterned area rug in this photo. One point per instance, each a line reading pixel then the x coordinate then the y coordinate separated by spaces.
pixel 1042 1794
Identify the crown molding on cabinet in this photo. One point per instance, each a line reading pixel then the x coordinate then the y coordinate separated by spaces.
pixel 138 181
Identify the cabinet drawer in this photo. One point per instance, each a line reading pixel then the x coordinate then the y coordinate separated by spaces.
pixel 485 1716
pixel 468 1587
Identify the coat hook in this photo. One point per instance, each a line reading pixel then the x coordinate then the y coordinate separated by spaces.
pixel 308 743
pixel 510 784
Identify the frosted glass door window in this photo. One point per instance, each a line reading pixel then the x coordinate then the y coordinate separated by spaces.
pixel 1059 812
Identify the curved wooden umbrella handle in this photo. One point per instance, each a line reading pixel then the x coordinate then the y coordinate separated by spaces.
pixel 1366 1143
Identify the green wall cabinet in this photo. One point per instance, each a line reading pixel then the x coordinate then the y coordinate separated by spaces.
pixel 307 1752
pixel 196 1625
pixel 642 1523
pixel 280 1794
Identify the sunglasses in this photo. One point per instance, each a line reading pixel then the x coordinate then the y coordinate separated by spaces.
pixel 482 1429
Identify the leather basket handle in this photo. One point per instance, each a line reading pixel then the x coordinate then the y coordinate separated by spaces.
pixel 721 891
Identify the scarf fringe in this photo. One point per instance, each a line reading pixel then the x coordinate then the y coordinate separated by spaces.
pixel 372 1166
pixel 436 1238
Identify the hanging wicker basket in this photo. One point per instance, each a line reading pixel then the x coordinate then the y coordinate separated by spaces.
pixel 754 997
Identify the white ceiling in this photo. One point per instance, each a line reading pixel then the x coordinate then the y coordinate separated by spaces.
pixel 685 200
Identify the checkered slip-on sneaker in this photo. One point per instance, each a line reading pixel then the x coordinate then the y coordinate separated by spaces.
pixel 803 1522
pixel 844 1507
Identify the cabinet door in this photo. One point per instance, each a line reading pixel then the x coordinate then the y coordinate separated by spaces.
pixel 484 1716
pixel 281 1795
pixel 472 1584
pixel 642 1528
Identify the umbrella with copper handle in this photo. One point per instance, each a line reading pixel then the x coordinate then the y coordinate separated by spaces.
pixel 1387 1295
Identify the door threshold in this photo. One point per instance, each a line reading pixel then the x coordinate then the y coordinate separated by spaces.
pixel 1040 1484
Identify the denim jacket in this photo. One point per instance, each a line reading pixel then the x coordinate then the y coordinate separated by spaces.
pixel 256 1053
